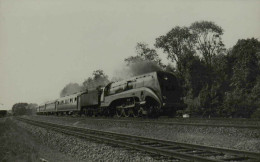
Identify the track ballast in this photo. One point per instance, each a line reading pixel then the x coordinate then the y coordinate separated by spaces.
pixel 161 148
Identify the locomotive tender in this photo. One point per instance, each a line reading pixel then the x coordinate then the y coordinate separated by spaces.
pixel 147 94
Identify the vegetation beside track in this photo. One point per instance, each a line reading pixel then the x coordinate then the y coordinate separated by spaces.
pixel 19 145
pixel 83 149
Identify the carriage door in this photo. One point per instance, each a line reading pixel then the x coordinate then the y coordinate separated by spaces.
pixel 78 103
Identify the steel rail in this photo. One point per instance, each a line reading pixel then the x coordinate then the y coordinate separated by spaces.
pixel 149 145
pixel 179 123
pixel 191 124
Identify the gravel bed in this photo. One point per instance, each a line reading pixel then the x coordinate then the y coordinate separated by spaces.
pixel 227 121
pixel 235 138
pixel 83 150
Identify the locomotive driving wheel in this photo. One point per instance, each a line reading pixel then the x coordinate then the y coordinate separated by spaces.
pixel 152 107
pixel 142 112
pixel 119 113
pixel 153 110
pixel 125 113
pixel 122 113
pixel 135 112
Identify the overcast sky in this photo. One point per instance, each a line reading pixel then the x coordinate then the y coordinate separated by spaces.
pixel 46 44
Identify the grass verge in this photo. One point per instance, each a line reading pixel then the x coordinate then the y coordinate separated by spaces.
pixel 16 144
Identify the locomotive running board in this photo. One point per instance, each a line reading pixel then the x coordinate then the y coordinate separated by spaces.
pixel 133 105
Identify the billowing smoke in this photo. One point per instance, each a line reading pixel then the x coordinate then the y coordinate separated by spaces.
pixel 99 79
pixel 70 89
pixel 136 68
pixel 143 67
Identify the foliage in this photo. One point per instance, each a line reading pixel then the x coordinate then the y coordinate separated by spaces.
pixel 19 108
pixel 176 44
pixel 216 81
pixel 144 53
pixel 245 62
pixel 24 108
pixel 242 97
pixel 3 113
pixel 194 75
pixel 208 39
pixel 147 60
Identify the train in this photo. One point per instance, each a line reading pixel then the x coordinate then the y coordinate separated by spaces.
pixel 150 94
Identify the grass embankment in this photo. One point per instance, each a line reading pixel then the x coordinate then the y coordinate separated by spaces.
pixel 15 143
pixel 19 145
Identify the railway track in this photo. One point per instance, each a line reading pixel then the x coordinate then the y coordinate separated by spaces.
pixel 163 149
pixel 190 124
pixel 172 123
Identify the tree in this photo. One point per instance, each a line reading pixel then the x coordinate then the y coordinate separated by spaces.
pixel 245 57
pixel 20 108
pixel 99 79
pixel 144 53
pixel 24 108
pixel 195 74
pixel 179 45
pixel 208 39
pixel 31 108
pixel 70 89
pixel 176 43
pixel 242 98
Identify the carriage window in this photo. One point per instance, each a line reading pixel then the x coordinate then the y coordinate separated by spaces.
pixel 75 98
pixel 129 85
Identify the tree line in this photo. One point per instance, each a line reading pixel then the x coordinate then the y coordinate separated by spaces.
pixel 24 108
pixel 215 81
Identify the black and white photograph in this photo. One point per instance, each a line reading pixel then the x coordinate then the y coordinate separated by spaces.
pixel 129 80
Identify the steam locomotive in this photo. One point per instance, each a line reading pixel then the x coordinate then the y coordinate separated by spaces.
pixel 149 94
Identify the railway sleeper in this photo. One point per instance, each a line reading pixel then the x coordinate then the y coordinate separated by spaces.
pixel 185 150
pixel 202 152
pixel 148 143
pixel 213 154
pixel 159 145
pixel 235 159
pixel 160 157
pixel 172 147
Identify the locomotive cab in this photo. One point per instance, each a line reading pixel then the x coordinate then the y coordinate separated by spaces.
pixel 170 91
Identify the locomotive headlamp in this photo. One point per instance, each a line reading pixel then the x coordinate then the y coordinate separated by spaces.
pixel 165 78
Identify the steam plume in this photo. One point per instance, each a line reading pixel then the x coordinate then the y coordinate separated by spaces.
pixel 136 68
pixel 70 89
